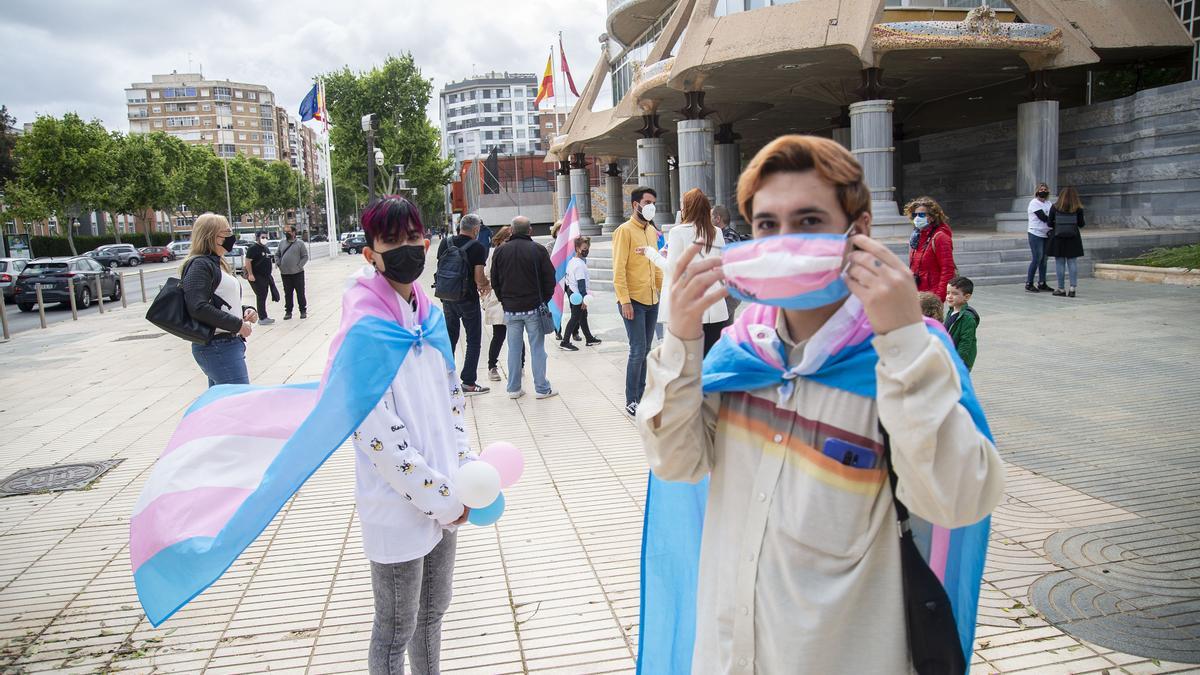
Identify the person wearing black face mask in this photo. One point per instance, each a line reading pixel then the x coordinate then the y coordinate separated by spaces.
pixel 1039 232
pixel 258 273
pixel 293 256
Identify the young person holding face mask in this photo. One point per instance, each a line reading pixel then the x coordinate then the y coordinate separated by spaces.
pixel 637 282
pixel 786 420
pixel 407 450
pixel 931 255
pixel 1039 231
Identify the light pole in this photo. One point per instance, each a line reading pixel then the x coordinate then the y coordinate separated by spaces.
pixel 228 202
pixel 368 125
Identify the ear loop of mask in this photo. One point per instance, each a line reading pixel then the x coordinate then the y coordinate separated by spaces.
pixel 849 249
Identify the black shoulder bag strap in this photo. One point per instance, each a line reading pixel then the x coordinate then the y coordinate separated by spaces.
pixel 933 641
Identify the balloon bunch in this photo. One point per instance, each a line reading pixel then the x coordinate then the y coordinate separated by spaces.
pixel 479 483
pixel 577 299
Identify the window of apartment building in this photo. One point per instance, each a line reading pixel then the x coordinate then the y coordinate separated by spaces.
pixel 154 94
pixel 253 109
pixel 519 105
pixel 241 123
pixel 238 93
pixel 487 93
pixel 254 137
pixel 255 150
pixel 203 93
pixel 487 135
pixel 207 107
pixel 520 133
pixel 157 109
pixel 222 93
pixel 251 96
pixel 158 124
pixel 268 138
pixel 240 108
pixel 241 137
pixel 269 152
pixel 487 107
pixel 254 123
pixel 179 92
pixel 183 121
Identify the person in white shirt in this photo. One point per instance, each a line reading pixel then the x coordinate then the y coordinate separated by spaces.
pixel 576 281
pixel 1039 232
pixel 406 452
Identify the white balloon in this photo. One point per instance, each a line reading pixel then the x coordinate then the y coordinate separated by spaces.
pixel 478 484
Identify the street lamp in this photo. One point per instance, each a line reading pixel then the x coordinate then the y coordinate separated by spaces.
pixel 368 125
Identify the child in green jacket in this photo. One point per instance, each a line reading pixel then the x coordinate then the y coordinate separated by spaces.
pixel 962 320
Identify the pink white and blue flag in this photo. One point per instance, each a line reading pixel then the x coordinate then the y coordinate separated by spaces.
pixel 560 255
pixel 242 451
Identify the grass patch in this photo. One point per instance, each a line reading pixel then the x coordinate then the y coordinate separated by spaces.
pixel 1187 257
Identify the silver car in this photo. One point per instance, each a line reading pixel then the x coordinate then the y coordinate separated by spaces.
pixel 237 258
pixel 127 254
pixel 9 269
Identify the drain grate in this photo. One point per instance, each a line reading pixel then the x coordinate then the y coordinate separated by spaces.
pixel 1132 586
pixel 55 478
pixel 140 336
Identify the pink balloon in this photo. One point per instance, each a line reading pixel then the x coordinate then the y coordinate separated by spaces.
pixel 507 460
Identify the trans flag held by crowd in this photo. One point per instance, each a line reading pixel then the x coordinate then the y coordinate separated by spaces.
pixel 560 255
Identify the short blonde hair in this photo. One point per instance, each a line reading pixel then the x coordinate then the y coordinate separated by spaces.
pixel 205 232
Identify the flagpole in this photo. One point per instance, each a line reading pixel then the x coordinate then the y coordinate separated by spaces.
pixel 330 214
pixel 554 86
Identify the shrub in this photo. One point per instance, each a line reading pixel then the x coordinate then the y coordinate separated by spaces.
pixel 59 246
pixel 1187 257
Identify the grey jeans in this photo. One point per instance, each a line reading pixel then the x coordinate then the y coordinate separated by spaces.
pixel 410 599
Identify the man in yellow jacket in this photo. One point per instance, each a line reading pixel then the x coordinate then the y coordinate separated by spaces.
pixel 638 285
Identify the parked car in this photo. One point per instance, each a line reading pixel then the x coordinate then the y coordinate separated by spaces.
pixel 319 237
pixel 273 247
pixel 55 277
pixel 180 248
pixel 237 258
pixel 9 269
pixel 354 244
pixel 156 254
pixel 126 253
pixel 106 258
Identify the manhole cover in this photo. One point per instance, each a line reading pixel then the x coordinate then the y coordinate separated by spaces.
pixel 1132 586
pixel 143 336
pixel 55 478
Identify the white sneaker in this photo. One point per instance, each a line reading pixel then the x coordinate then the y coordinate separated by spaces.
pixel 494 374
pixel 517 394
pixel 550 394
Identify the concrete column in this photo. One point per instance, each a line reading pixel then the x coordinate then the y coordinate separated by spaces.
pixel 1037 160
pixel 563 188
pixel 696 157
pixel 871 143
pixel 842 136
pixel 727 166
pixel 652 173
pixel 616 198
pixel 673 195
pixel 581 190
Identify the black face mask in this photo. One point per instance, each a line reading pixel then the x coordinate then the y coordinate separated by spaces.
pixel 1043 195
pixel 228 242
pixel 290 236
pixel 403 264
pixel 584 254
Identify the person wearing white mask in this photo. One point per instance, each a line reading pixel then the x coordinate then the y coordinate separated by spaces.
pixel 931 258
pixel 637 283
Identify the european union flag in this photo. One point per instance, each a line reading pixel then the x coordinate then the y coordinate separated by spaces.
pixel 310 107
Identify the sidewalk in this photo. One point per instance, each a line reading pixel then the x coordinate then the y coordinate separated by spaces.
pixel 554 587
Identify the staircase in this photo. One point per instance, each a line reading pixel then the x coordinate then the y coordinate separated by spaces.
pixel 987 258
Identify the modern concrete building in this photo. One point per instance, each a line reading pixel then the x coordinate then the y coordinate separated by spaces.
pixel 971 104
pixel 230 116
pixel 494 110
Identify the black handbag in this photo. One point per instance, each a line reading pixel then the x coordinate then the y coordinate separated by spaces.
pixel 543 311
pixel 170 313
pixel 933 641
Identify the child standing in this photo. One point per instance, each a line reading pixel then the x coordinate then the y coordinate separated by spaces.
pixel 406 451
pixel 931 305
pixel 576 281
pixel 962 320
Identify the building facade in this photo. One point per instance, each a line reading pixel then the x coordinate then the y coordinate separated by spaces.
pixel 494 110
pixel 692 88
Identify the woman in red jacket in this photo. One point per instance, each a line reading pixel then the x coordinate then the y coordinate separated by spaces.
pixel 931 257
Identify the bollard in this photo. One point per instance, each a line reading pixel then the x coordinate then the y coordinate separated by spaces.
pixel 121 280
pixel 142 280
pixel 41 306
pixel 100 294
pixel 71 292
pixel 4 318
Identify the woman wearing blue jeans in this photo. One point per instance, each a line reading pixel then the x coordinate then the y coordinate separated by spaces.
pixel 1039 232
pixel 210 290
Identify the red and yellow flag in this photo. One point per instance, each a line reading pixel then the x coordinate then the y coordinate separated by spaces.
pixel 547 87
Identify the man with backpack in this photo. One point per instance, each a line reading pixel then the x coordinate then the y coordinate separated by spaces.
pixel 458 282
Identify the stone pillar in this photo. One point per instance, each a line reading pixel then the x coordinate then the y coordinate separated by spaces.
pixel 871 143
pixel 563 191
pixel 696 157
pixel 581 190
pixel 652 165
pixel 616 198
pixel 1037 153
pixel 673 194
pixel 841 129
pixel 727 168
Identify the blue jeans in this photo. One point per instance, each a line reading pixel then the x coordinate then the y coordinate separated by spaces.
pixel 640 331
pixel 1071 264
pixel 470 314
pixel 410 600
pixel 1037 246
pixel 223 361
pixel 530 324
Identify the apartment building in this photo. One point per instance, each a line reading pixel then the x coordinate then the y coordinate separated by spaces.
pixel 494 110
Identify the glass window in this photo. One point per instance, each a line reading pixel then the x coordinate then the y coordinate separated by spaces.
pixel 237 93
pixel 157 109
pixel 487 93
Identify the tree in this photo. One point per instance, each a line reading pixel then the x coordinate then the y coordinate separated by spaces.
pixel 398 95
pixel 139 180
pixel 8 141
pixel 64 165
pixel 175 157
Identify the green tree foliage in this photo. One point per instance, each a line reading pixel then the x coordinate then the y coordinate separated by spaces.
pixel 138 179
pixel 8 141
pixel 398 95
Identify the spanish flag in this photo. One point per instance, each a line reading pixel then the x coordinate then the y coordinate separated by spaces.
pixel 547 88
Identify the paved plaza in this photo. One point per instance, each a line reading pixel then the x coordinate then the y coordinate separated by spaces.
pixel 1094 563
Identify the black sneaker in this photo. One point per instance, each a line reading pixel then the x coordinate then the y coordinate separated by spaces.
pixel 1060 293
pixel 1030 288
pixel 287 316
pixel 1071 293
pixel 567 347
pixel 594 341
pixel 1043 287
pixel 303 314
pixel 631 408
pixel 473 389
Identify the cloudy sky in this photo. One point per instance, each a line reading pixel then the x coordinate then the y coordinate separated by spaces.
pixel 80 55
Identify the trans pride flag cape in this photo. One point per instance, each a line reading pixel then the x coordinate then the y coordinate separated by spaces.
pixel 242 451
pixel 751 356
pixel 560 255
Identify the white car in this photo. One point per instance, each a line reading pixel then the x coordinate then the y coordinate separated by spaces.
pixel 180 248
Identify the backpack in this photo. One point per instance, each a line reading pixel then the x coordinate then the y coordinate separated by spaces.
pixel 453 273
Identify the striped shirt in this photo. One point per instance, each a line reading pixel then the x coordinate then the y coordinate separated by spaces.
pixel 800 559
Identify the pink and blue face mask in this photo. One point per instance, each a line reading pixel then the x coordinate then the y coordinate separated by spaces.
pixel 792 271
